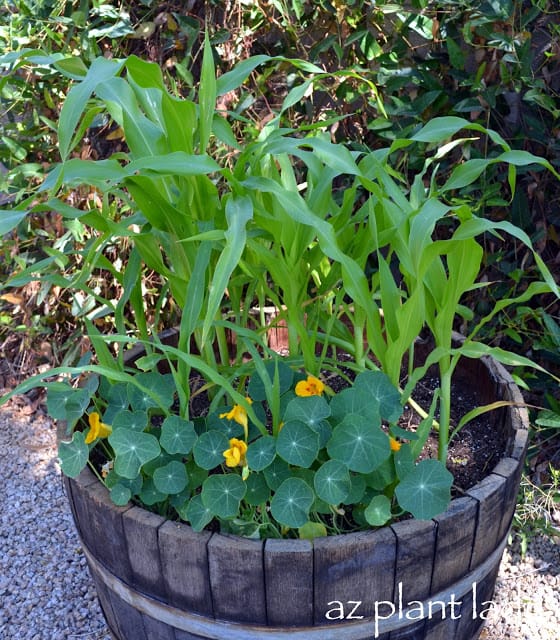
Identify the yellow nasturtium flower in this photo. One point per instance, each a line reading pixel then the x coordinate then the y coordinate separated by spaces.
pixel 394 444
pixel 239 414
pixel 310 387
pixel 235 455
pixel 97 429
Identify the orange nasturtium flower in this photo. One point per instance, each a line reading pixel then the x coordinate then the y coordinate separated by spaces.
pixel 239 414
pixel 394 444
pixel 235 455
pixel 310 387
pixel 97 429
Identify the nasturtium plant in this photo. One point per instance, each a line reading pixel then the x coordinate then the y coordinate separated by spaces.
pixel 334 461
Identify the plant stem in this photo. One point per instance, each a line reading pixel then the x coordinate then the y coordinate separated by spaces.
pixel 445 410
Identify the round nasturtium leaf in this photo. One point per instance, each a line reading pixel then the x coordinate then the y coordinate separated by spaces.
pixel 230 428
pixel 120 495
pixel 312 410
pixel 155 391
pixel 149 494
pixel 133 420
pixel 196 513
pixel 297 444
pixel 132 450
pixel 73 455
pixel 171 478
pixel 382 391
pixel 261 452
pixel 257 388
pixel 209 449
pixel 426 491
pixel 276 473
pixel 378 512
pixel 177 435
pixel 312 530
pixel 291 503
pixel 222 493
pixel 332 482
pixel 359 444
pixel 404 461
pixel 258 491
pixel 355 401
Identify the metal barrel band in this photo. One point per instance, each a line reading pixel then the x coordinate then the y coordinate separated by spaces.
pixel 224 630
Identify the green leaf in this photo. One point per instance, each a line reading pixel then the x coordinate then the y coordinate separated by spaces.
pixel 261 452
pixel 207 94
pixel 258 492
pixel 548 418
pixel 297 444
pixel 171 478
pixel 9 219
pixel 465 174
pixel 150 390
pixel 66 403
pixel 378 511
pixel 311 530
pixel 222 493
pixel 73 455
pixel 132 450
pixel 291 503
pixel 426 491
pixel 120 495
pixel 239 210
pixel 359 444
pixel 133 420
pixel 404 461
pixel 383 392
pixel 209 449
pixel 101 70
pixel 276 473
pixel 230 428
pixel 311 411
pixel 177 435
pixel 149 495
pixel 332 482
pixel 356 400
pixel 257 387
pixel 197 514
pixel 117 399
pixel 440 129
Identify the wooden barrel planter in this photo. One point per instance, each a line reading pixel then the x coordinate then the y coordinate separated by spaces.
pixel 413 580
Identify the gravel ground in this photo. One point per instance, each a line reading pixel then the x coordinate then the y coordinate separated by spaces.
pixel 46 592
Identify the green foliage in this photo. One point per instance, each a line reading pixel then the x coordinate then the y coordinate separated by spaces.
pixel 233 220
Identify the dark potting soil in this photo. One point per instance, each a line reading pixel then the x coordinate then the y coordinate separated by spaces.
pixel 478 446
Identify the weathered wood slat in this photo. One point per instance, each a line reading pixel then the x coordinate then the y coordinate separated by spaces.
pixel 415 548
pixel 490 495
pixel 104 600
pixel 354 567
pixel 104 532
pixel 288 566
pixel 476 605
pixel 77 504
pixel 121 617
pixel 510 469
pixel 141 531
pixel 156 630
pixel 184 567
pixel 237 579
pixel 438 628
pixel 454 542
